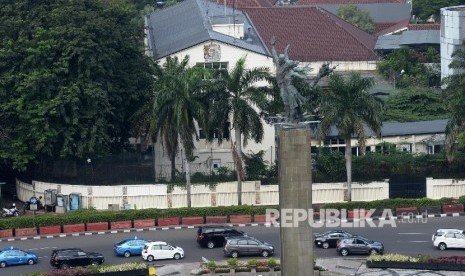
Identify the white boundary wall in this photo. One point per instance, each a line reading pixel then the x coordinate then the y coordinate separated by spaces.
pixel 223 194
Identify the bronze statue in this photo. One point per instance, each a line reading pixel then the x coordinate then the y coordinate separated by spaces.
pixel 286 70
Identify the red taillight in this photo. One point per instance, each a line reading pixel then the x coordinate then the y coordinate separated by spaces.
pixel 201 237
pixel 145 251
pixel 57 258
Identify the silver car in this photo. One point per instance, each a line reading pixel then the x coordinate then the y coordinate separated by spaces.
pixel 239 246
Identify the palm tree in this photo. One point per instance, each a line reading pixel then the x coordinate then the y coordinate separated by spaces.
pixel 456 102
pixel 237 99
pixel 348 105
pixel 180 103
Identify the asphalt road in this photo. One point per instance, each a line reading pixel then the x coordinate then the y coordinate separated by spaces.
pixel 408 237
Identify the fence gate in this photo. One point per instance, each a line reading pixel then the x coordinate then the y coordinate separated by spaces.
pixel 407 187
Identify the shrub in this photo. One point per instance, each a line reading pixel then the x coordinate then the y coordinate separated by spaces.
pixel 272 262
pixel 89 215
pixel 120 267
pixel 211 264
pixel 462 200
pixel 80 271
pixel 447 200
pixel 232 262
pixel 242 269
pixel 252 262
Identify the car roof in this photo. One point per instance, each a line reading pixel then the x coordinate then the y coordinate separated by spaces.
pixel 10 248
pixel 157 243
pixel 133 239
pixel 67 249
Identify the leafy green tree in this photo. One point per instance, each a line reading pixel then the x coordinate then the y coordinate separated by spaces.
pixel 348 105
pixel 406 68
pixel 415 104
pixel 456 102
pixel 352 14
pixel 237 99
pixel 423 9
pixel 179 105
pixel 72 73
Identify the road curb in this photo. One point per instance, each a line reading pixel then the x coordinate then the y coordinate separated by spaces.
pixel 178 227
pixel 132 230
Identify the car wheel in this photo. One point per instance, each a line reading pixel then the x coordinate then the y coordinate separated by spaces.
pixel 234 254
pixel 94 263
pixel 373 252
pixel 265 253
pixel 127 254
pixel 442 246
pixel 150 258
pixel 177 256
pixel 30 262
pixel 210 244
pixel 325 245
pixel 344 252
pixel 64 266
pixel 2 264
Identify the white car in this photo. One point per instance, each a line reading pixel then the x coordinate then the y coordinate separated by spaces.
pixel 160 250
pixel 442 232
pixel 450 240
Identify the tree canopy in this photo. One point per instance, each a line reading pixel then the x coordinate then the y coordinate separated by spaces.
pixel 424 9
pixel 352 14
pixel 72 73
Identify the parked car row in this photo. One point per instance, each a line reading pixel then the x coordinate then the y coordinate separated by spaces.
pixel 347 243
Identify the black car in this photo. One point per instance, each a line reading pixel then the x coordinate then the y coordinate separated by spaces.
pixel 330 238
pixel 239 246
pixel 72 257
pixel 214 236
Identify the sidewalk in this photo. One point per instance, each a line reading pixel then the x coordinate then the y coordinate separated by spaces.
pixel 335 266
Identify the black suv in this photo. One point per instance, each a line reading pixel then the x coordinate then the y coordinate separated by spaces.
pixel 213 236
pixel 72 257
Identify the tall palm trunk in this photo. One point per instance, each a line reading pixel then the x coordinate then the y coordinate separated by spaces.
pixel 348 157
pixel 239 167
pixel 188 182
pixel 173 167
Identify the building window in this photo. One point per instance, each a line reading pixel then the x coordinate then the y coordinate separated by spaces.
pixel 214 65
pixel 226 132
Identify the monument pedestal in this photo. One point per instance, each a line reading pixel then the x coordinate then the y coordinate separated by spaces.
pixel 295 194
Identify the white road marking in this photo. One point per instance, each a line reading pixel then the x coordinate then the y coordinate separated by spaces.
pixel 411 233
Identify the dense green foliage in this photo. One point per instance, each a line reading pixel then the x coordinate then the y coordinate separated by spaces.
pixel 329 166
pixel 456 102
pixel 72 73
pixel 406 67
pixel 415 104
pixel 257 168
pixel 352 14
pixel 423 9
pixel 88 216
pixel 384 204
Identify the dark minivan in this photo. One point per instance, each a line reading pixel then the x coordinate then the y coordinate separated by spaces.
pixel 72 257
pixel 240 246
pixel 211 236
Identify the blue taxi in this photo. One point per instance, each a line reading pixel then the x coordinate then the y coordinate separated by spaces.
pixel 129 247
pixel 15 256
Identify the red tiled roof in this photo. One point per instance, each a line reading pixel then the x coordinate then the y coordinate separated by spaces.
pixel 239 4
pixel 418 27
pixel 343 2
pixel 313 34
pixel 397 26
pixel 383 25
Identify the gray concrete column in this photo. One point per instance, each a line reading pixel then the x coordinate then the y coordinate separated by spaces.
pixel 295 192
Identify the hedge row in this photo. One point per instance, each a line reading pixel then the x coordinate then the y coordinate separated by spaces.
pixel 393 203
pixel 91 215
